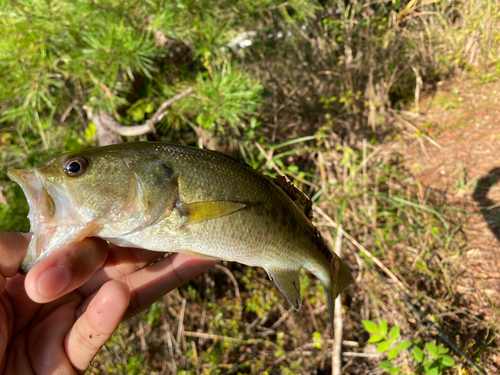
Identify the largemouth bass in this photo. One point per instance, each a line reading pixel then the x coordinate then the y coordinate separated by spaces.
pixel 172 198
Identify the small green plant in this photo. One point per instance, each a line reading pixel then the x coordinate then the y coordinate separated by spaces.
pixel 387 342
pixel 434 361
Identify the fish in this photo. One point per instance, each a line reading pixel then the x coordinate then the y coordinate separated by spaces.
pixel 172 198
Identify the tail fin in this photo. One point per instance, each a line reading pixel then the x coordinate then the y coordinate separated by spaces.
pixel 338 279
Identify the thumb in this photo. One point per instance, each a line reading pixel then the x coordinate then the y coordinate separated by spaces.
pixel 13 248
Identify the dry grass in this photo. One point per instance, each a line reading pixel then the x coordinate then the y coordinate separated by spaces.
pixel 403 244
pixel 342 92
pixel 334 123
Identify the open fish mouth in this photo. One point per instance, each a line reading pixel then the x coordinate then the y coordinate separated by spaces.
pixel 42 208
pixel 41 204
pixel 54 218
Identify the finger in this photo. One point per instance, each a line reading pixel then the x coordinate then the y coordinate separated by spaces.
pixel 151 283
pixel 97 324
pixel 121 261
pixel 24 308
pixel 13 248
pixel 45 338
pixel 65 270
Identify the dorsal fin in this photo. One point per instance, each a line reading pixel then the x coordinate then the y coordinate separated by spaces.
pixel 303 202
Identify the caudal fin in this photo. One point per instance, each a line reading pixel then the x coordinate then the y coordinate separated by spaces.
pixel 340 277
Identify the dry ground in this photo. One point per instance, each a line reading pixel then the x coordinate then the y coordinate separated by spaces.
pixel 463 117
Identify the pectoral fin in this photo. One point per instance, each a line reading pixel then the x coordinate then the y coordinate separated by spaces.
pixel 289 283
pixel 198 255
pixel 198 212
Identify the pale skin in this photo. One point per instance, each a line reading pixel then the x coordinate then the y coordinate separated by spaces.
pixel 55 319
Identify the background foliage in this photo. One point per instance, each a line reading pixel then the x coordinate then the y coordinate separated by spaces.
pixel 311 88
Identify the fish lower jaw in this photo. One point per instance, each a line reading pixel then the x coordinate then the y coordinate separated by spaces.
pixel 40 242
pixel 49 237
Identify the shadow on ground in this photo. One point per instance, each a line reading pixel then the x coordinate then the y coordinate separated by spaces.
pixel 489 208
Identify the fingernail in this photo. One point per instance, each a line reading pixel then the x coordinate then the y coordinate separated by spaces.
pixel 53 281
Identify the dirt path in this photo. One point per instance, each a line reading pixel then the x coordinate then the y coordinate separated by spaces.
pixel 463 117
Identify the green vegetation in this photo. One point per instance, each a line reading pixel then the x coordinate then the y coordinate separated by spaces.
pixel 434 363
pixel 319 90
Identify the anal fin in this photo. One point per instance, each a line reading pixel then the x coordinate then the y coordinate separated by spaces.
pixel 288 282
pixel 198 212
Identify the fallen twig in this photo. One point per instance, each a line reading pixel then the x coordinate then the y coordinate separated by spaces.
pixel 282 318
pixel 416 129
pixel 170 348
pixel 231 277
pixel 140 333
pixel 212 336
pixel 161 111
pixel 364 355
pixel 337 325
pixel 360 247
pixel 106 124
pixel 180 327
pixel 269 159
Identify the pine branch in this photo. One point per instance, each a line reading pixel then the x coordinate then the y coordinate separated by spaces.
pixel 108 128
pixel 161 112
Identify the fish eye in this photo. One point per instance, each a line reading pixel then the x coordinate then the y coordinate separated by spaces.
pixel 75 166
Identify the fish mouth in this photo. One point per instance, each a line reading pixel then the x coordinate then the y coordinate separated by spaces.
pixel 42 208
pixel 54 215
pixel 41 204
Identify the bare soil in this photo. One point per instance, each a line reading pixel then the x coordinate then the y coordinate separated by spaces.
pixel 463 118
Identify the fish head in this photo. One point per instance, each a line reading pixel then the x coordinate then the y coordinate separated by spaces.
pixel 72 195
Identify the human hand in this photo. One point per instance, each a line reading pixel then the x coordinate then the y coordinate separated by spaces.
pixel 55 319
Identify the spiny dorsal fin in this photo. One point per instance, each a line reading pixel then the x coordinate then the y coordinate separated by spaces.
pixel 302 201
pixel 288 282
pixel 198 212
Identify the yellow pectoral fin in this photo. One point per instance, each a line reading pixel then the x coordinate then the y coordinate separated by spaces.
pixel 198 212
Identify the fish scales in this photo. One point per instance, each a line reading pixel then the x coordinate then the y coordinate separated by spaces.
pixel 269 218
pixel 166 197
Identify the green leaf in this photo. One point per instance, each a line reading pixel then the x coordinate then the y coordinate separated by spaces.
pixel 394 333
pixel 375 338
pixel 89 132
pixel 383 326
pixel 432 349
pixel 370 326
pixel 418 354
pixel 432 371
pixel 442 350
pixel 403 345
pixel 447 361
pixel 138 114
pixel 393 353
pixel 384 345
pixel 72 144
pixel 386 365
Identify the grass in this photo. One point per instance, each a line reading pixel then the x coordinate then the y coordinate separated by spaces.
pixel 244 325
pixel 335 94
